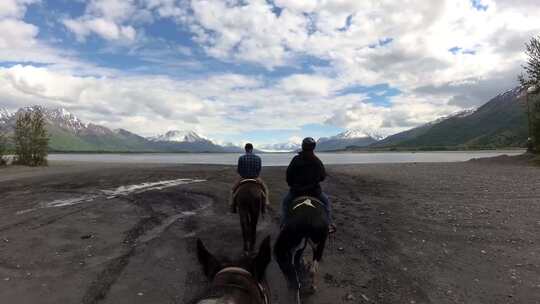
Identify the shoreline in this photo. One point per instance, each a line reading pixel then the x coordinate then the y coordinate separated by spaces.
pixel 283 159
pixel 382 150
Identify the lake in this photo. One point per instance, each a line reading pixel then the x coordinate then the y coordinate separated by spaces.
pixel 283 159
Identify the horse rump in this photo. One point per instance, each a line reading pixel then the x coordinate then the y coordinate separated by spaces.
pixel 305 225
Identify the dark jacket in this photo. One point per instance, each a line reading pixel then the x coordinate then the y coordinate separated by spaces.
pixel 304 174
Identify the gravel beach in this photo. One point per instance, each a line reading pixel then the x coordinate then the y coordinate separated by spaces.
pixel 465 232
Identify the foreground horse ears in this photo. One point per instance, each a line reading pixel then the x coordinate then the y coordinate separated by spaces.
pixel 210 264
pixel 263 258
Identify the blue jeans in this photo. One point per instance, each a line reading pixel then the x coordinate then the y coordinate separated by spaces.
pixel 287 200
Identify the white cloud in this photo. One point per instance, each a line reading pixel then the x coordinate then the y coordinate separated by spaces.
pixel 155 101
pixel 18 38
pixel 105 28
pixel 153 104
pixel 17 34
pixel 308 85
pixel 363 43
pixel 118 10
pixel 422 33
pixel 109 19
pixel 14 8
pixel 371 42
pixel 295 139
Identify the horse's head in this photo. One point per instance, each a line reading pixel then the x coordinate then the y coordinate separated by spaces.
pixel 243 274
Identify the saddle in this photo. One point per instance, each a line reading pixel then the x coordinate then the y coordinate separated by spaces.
pixel 247 181
pixel 234 191
pixel 306 201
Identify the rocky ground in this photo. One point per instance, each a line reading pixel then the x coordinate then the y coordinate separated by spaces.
pixel 408 233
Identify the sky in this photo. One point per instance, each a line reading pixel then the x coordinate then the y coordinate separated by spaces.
pixel 265 71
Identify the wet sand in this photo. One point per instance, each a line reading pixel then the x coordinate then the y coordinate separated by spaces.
pixel 408 233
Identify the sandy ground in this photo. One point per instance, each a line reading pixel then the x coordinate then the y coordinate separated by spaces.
pixel 408 233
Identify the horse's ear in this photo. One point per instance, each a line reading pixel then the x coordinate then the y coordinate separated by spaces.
pixel 209 263
pixel 263 258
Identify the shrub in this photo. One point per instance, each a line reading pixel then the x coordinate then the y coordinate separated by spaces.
pixel 31 139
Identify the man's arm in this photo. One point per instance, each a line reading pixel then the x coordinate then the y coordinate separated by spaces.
pixel 323 171
pixel 290 171
pixel 239 165
pixel 259 165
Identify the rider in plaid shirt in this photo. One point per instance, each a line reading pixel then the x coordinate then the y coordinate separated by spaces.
pixel 249 167
pixel 249 164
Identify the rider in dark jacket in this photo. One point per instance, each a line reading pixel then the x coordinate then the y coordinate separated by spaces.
pixel 304 174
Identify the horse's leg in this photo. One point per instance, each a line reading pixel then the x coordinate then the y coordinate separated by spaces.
pixel 286 242
pixel 300 269
pixel 253 223
pixel 298 255
pixel 244 223
pixel 318 251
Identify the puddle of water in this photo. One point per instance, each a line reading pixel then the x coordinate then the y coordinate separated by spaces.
pixel 69 201
pixel 109 194
pixel 124 190
pixel 152 234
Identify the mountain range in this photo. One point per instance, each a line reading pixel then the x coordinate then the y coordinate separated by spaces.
pixel 357 138
pixel 499 123
pixel 69 134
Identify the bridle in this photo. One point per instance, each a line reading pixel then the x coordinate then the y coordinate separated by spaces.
pixel 241 271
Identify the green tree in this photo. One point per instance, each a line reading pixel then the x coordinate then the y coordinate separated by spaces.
pixel 531 78
pixel 532 66
pixel 31 139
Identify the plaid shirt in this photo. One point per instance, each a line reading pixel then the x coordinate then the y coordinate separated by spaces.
pixel 249 165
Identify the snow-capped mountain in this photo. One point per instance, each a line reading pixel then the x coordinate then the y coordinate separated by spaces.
pixel 281 147
pixel 179 136
pixel 5 115
pixel 358 133
pixel 460 113
pixel 58 117
pixel 354 137
pixel 65 119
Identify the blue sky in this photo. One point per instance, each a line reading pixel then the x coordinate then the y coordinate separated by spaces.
pixel 263 71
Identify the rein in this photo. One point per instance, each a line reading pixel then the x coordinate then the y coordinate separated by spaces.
pixel 246 274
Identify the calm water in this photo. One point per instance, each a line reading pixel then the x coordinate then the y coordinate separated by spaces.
pixel 283 159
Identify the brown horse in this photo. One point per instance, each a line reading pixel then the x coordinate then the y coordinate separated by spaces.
pixel 251 201
pixel 238 282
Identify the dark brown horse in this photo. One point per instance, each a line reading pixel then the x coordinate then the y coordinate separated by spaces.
pixel 236 282
pixel 250 199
